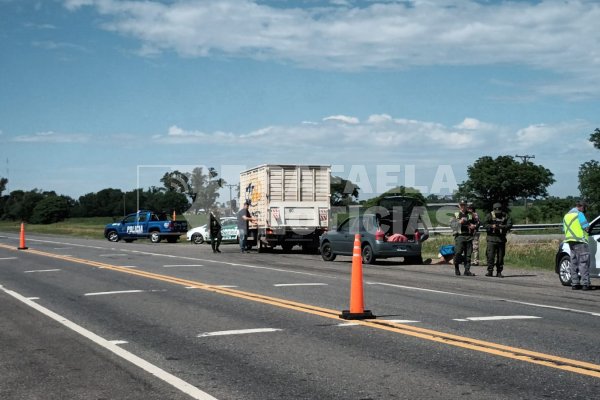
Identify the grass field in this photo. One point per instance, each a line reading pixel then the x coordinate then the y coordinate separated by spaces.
pixel 538 254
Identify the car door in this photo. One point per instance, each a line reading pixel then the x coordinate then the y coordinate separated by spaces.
pixel 343 241
pixel 134 224
pixel 594 253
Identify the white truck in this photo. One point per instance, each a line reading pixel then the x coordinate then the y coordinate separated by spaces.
pixel 290 202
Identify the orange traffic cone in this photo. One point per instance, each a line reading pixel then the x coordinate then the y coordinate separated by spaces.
pixel 357 305
pixel 174 215
pixel 22 238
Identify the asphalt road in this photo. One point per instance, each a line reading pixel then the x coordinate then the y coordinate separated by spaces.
pixel 89 319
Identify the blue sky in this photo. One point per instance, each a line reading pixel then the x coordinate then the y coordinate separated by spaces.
pixel 103 93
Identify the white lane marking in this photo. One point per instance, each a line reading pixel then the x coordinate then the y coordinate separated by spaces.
pixel 221 286
pixel 238 332
pixel 550 307
pixel 489 298
pixel 349 324
pixel 114 292
pixel 401 321
pixel 117 342
pixel 299 284
pixel 172 380
pixel 419 289
pixel 33 298
pixel 40 270
pixel 8 258
pixel 498 318
pixel 62 248
pixel 113 255
pixel 182 265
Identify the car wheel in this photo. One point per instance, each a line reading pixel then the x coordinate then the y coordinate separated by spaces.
pixel 564 270
pixel 155 237
pixel 327 252
pixel 367 254
pixel 112 236
pixel 197 238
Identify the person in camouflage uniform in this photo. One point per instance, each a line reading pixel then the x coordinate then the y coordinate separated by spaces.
pixel 463 226
pixel 497 224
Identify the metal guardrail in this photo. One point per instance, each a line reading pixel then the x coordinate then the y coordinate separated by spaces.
pixel 523 227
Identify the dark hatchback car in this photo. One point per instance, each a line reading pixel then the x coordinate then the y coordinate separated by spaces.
pixel 563 256
pixel 392 228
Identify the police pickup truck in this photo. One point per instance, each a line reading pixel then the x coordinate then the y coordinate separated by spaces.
pixel 145 224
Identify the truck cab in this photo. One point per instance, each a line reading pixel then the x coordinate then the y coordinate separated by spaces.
pixel 145 224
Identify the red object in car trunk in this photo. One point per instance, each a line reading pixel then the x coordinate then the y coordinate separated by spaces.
pixel 379 235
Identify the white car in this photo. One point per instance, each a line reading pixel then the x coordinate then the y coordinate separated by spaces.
pixel 229 231
pixel 563 256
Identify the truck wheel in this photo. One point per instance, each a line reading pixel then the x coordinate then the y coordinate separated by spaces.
pixel 112 236
pixel 564 270
pixel 155 237
pixel 367 254
pixel 197 238
pixel 327 252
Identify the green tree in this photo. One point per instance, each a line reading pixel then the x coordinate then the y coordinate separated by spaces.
pixel 50 209
pixel 343 192
pixel 397 191
pixel 204 188
pixel 589 177
pixel 503 180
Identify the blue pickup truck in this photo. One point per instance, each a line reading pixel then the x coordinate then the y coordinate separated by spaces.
pixel 145 224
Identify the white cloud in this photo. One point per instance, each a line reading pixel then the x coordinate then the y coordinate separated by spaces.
pixel 53 137
pixel 550 35
pixel 343 118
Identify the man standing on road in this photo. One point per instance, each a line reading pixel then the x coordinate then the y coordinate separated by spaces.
pixel 476 234
pixel 576 227
pixel 215 233
pixel 243 218
pixel 463 225
pixel 497 225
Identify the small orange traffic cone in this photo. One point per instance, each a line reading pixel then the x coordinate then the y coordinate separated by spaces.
pixel 22 238
pixel 357 304
pixel 174 216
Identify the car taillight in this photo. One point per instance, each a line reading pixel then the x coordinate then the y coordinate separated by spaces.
pixel 379 235
pixel 171 225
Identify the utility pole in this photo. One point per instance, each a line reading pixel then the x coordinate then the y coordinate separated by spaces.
pixel 230 204
pixel 525 159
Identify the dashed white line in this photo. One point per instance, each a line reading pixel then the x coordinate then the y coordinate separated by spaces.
pixel 114 292
pixel 497 318
pixel 238 332
pixel 8 258
pixel 182 265
pixel 401 321
pixel 172 380
pixel 40 270
pixel 299 284
pixel 118 342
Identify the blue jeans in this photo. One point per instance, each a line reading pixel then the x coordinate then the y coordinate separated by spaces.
pixel 243 239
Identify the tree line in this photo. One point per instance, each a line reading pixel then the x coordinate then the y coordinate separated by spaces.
pixel 489 180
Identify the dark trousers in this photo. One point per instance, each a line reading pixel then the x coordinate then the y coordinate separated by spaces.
pixel 495 255
pixel 215 240
pixel 463 248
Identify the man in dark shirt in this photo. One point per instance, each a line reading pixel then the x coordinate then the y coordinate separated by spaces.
pixel 243 218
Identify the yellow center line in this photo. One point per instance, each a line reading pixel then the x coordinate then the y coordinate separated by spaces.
pixel 515 353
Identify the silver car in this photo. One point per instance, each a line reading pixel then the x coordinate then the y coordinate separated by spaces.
pixel 563 256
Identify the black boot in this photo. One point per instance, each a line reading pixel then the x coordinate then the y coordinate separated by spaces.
pixel 468 270
pixel 456 270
